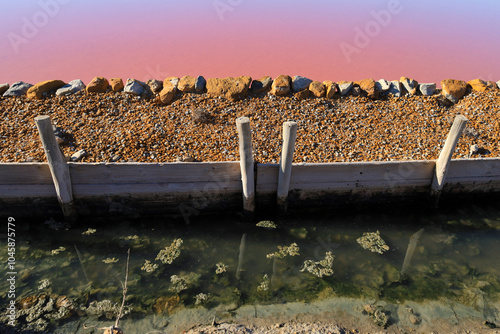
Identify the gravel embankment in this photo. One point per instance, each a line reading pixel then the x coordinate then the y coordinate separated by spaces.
pixel 120 127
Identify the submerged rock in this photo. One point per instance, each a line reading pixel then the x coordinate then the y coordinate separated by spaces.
pixel 373 242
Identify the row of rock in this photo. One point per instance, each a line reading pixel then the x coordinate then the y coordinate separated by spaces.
pixel 236 88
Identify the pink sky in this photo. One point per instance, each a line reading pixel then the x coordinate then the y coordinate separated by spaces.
pixel 424 40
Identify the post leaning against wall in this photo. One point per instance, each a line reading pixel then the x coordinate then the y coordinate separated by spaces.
pixel 444 159
pixel 59 169
pixel 285 171
pixel 246 163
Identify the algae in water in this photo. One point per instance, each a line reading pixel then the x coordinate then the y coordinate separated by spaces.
pixel 320 268
pixel 292 250
pixel 170 253
pixel 373 242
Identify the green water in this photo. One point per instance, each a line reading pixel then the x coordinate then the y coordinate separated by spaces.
pixel 455 259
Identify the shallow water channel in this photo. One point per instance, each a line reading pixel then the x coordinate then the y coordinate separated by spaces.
pixel 222 265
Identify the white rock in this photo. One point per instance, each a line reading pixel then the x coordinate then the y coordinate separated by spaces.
pixel 345 88
pixel 300 83
pixel 427 88
pixel 395 88
pixel 498 84
pixel 71 88
pixel 134 87
pixel 17 89
pixel 78 155
pixel 382 85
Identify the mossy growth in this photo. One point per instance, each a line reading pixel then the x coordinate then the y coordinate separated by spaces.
pixel 170 253
pixel 292 250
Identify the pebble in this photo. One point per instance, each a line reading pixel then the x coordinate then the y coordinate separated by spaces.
pixel 17 89
pixel 427 89
pixel 344 87
pixel 395 88
pixel 78 155
pixel 410 85
pixel 97 85
pixel 453 90
pixel 71 88
pixel 44 88
pixel 155 85
pixel 134 87
pixel 300 83
pixel 339 129
pixel 116 84
pixel 281 85
pixel 261 85
pixel 3 88
pixel 200 84
pixel 383 85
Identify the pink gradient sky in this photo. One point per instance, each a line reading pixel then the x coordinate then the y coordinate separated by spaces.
pixel 425 40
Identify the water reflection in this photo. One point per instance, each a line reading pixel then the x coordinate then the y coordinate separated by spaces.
pixel 225 260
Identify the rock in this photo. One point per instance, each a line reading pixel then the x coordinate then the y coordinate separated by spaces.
pixel 42 89
pixel 427 89
pixel 355 91
pixel 331 88
pixel 173 80
pixel 78 155
pixel 3 88
pixel 116 84
pixel 166 304
pixel 492 85
pixel 200 84
pixel 300 83
pixel 453 90
pixel 302 95
pixel 368 88
pixel 317 89
pixel 134 87
pixel 410 85
pixel 395 88
pixel 233 89
pixel 200 115
pixel 281 85
pixel 167 94
pixel 479 85
pixel 261 85
pixel 344 87
pixel 98 85
pixel 187 84
pixel 155 85
pixel 382 85
pixel 71 88
pixel 498 84
pixel 414 319
pixel 17 89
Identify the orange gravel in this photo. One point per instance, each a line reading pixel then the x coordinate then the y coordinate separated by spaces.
pixel 119 127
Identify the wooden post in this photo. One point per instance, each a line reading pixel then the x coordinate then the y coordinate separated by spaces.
pixel 285 171
pixel 246 163
pixel 59 169
pixel 443 161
